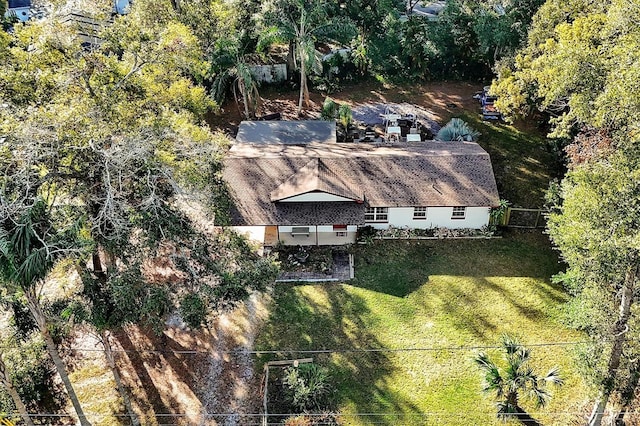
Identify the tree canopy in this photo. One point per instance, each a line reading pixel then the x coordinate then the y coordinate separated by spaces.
pixel 580 66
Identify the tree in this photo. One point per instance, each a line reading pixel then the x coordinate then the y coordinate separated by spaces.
pixel 30 243
pixel 515 381
pixel 230 67
pixel 580 65
pixel 7 383
pixel 303 23
pixel 112 134
pixel 596 231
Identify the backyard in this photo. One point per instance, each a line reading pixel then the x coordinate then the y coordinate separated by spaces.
pixel 436 296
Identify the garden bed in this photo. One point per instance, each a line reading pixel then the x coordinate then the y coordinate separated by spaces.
pixel 368 233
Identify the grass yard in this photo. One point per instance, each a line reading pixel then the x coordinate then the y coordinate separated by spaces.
pixel 521 157
pixel 431 294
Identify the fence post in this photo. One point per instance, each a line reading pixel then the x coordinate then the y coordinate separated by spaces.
pixel 507 216
pixel 265 416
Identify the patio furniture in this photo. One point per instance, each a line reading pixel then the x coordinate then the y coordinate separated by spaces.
pixel 413 137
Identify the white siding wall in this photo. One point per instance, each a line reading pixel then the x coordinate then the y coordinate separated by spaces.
pixel 320 235
pixel 269 73
pixel 437 217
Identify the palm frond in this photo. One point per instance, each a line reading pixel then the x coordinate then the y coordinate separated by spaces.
pixel 33 268
pixel 220 85
pixel 457 130
pixel 553 376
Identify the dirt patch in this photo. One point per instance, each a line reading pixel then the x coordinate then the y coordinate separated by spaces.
pixel 442 100
pixel 186 377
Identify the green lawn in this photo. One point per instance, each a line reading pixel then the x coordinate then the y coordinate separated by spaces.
pixel 430 294
pixel 522 160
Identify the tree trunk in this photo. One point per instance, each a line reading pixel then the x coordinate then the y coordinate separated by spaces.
pixel 525 418
pixel 41 321
pixel 303 79
pixel 627 393
pixel 307 99
pixel 108 352
pixel 620 329
pixel 291 61
pixel 245 98
pixel 6 382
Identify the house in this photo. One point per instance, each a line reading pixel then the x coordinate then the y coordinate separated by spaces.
pixel 292 182
pixel 21 9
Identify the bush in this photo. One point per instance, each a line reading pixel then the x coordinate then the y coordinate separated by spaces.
pixel 366 233
pixel 329 109
pixel 457 130
pixel 307 386
pixel 31 372
pixel 193 310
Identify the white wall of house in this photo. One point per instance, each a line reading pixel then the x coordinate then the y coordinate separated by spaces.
pixel 318 235
pixel 314 196
pixel 437 217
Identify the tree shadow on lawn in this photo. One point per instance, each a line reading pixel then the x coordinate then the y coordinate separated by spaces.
pixel 400 267
pixel 329 317
pixel 465 293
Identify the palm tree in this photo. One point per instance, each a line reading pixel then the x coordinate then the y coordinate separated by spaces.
pixel 302 23
pixel 516 380
pixel 457 130
pixel 230 68
pixel 29 247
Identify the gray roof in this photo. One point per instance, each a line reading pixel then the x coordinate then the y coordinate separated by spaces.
pixel 14 4
pixel 286 132
pixel 425 174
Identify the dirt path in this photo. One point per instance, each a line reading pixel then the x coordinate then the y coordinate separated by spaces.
pixel 231 384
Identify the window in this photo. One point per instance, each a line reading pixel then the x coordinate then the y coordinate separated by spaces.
pixel 340 230
pixel 300 230
pixel 419 213
pixel 458 212
pixel 376 214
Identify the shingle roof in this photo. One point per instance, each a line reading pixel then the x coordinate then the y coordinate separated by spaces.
pixel 425 174
pixel 316 176
pixel 286 132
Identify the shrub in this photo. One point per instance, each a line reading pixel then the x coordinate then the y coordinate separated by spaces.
pixel 345 115
pixel 366 233
pixel 298 421
pixel 193 310
pixel 329 109
pixel 457 130
pixel 306 386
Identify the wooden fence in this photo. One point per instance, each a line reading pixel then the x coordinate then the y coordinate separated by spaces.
pixel 517 217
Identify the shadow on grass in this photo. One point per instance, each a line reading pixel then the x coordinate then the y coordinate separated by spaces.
pixel 325 317
pixel 400 267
